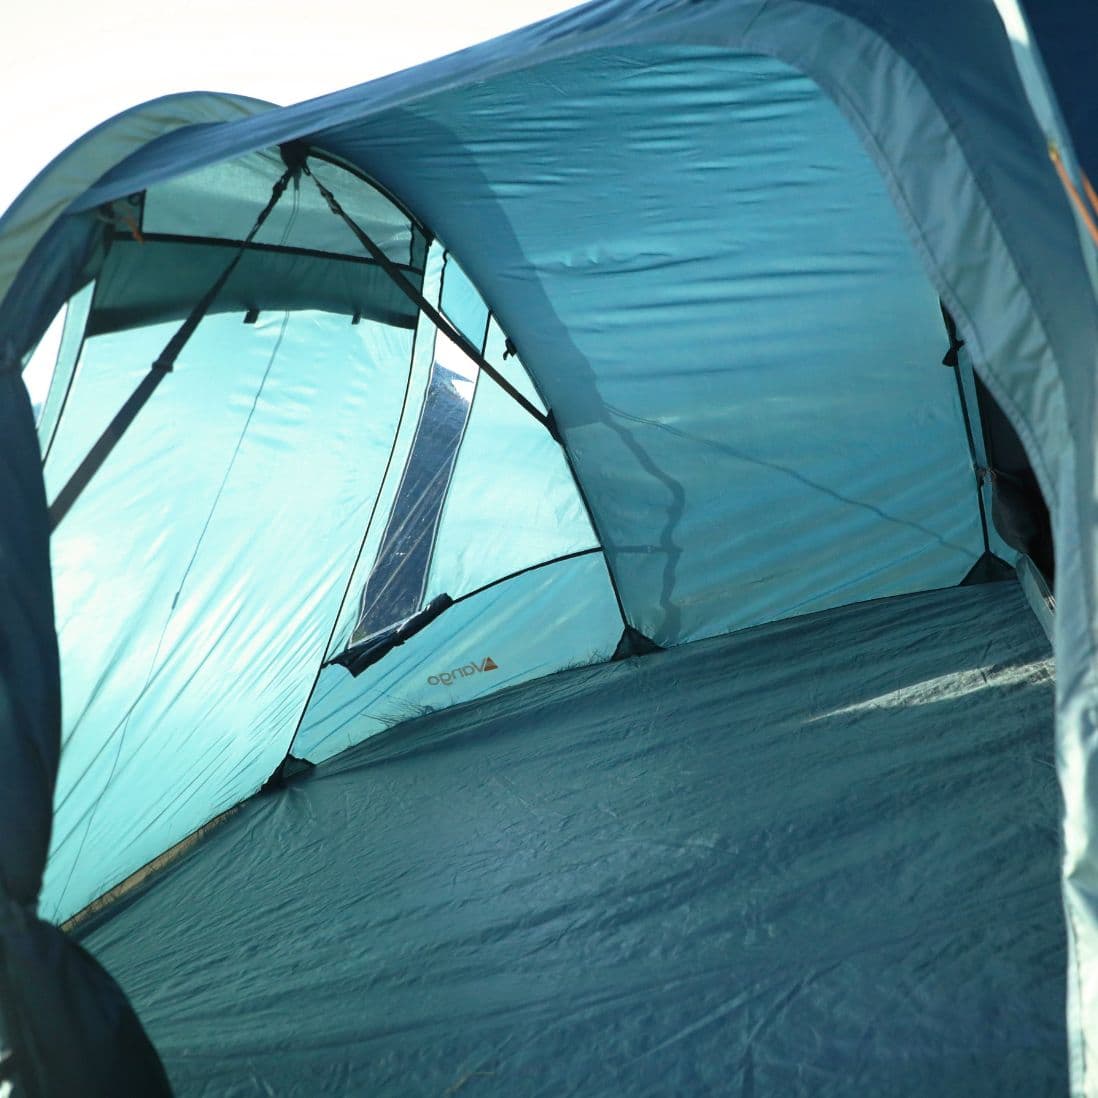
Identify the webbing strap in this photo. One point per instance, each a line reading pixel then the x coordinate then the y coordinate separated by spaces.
pixel 426 307
pixel 103 446
pixel 125 415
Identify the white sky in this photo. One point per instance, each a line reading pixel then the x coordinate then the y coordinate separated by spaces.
pixel 70 64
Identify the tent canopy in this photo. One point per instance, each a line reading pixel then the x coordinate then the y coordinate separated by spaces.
pixel 639 327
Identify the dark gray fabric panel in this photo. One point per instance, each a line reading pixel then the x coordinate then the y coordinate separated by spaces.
pixel 71 1029
pixel 815 858
pixel 30 714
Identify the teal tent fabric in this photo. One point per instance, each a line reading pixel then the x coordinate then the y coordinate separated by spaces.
pixel 532 625
pixel 758 324
pixel 593 883
pixel 463 305
pixel 510 475
pixel 186 655
pixel 711 240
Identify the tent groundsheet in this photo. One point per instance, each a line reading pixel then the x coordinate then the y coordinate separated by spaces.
pixel 816 857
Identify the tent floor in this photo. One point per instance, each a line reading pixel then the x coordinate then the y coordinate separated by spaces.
pixel 814 858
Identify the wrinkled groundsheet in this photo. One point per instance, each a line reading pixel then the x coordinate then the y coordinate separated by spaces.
pixel 814 858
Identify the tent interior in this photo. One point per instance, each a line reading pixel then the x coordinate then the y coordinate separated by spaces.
pixel 694 738
pixel 595 883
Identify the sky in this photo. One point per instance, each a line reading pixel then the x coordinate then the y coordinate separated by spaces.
pixel 71 64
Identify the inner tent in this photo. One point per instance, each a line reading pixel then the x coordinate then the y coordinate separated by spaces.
pixel 633 691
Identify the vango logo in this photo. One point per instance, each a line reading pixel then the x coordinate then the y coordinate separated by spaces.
pixel 448 677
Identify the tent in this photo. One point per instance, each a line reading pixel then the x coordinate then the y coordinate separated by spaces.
pixel 539 573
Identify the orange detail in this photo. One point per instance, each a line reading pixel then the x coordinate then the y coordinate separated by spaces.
pixel 1076 198
pixel 1089 191
pixel 490 665
pixel 132 225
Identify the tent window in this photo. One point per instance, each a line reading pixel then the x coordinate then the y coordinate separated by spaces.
pixel 49 369
pixel 171 244
pixel 395 588
pixel 182 207
pixel 39 369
